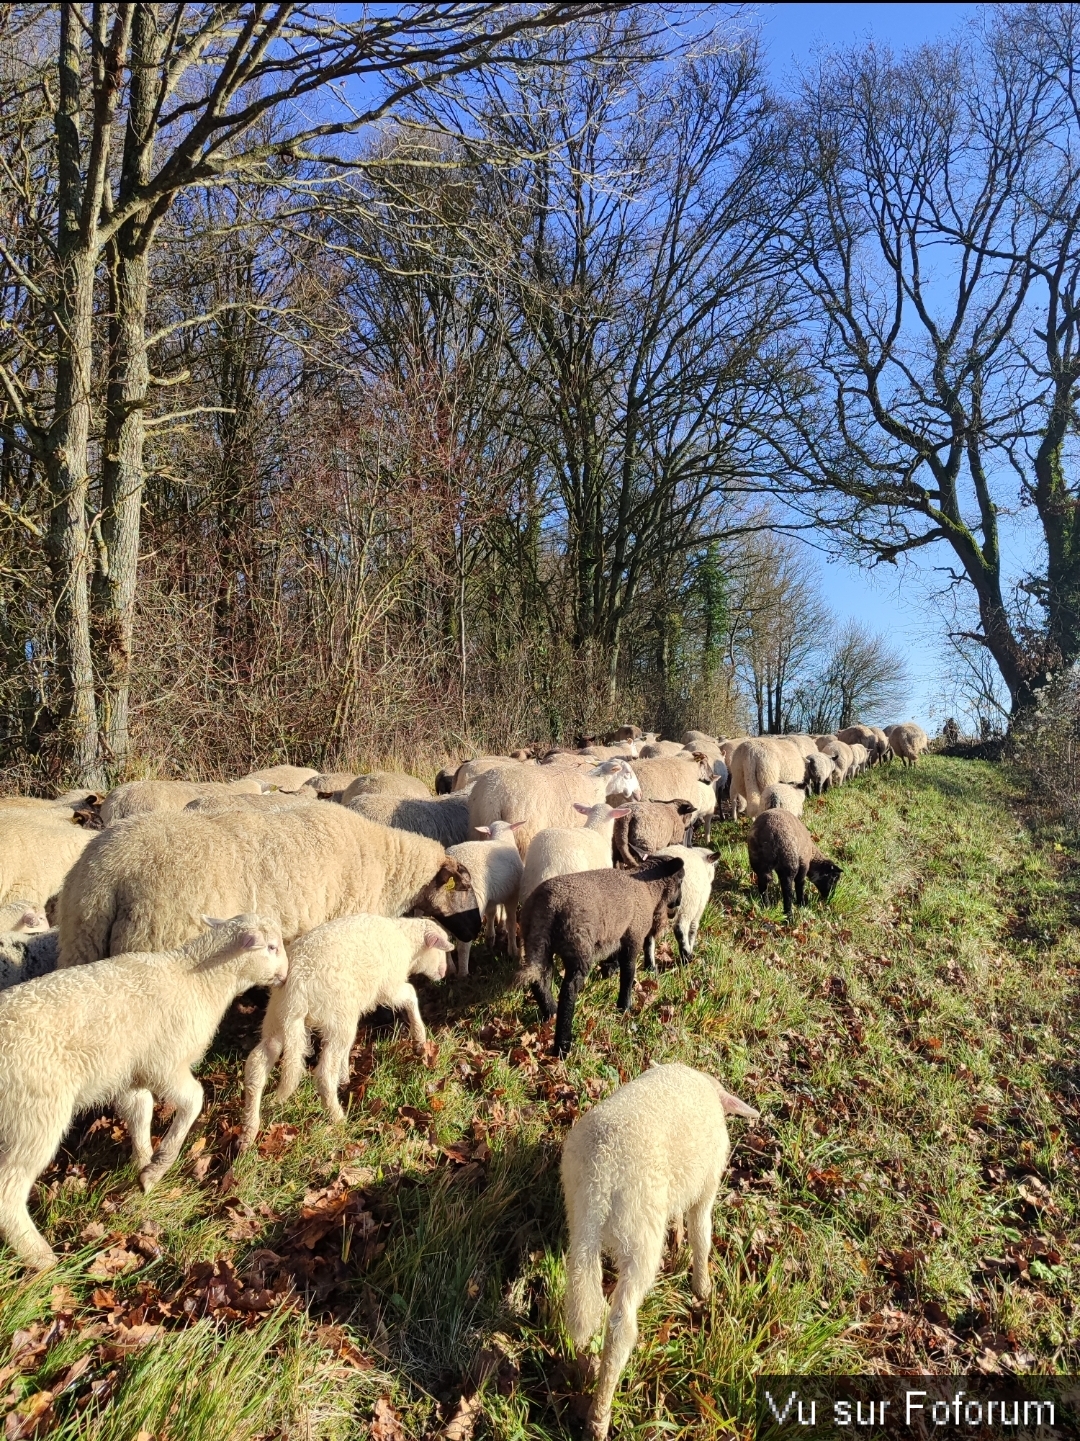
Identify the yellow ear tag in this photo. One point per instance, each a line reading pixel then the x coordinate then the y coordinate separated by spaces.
pixel 449 885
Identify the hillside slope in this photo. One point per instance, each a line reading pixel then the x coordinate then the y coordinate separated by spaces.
pixel 909 1199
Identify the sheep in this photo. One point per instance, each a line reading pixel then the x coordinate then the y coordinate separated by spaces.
pixel 469 771
pixel 590 917
pixel 22 917
pixel 443 818
pixel 623 733
pixel 820 772
pixel 699 740
pixel 648 826
pixel 647 1157
pixel 780 842
pixel 124 1032
pixel 495 868
pixel 339 972
pixel 658 750
pixel 882 740
pixel 907 742
pixel 217 805
pixel 699 871
pixel 860 735
pixel 386 783
pixel 544 796
pixel 783 798
pixel 841 754
pixel 26 954
pixel 444 778
pixel 562 851
pixel 706 806
pixel 142 884
pixel 666 778
pixel 37 849
pixel 860 758
pixel 283 778
pixel 137 798
pixel 760 763
pixel 330 785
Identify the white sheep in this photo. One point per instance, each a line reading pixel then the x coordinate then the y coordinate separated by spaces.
pixel 122 1033
pixel 907 741
pixel 385 783
pixel 338 973
pixel 143 884
pixel 544 796
pixel 784 798
pixel 469 771
pixel 759 763
pixel 495 867
pixel 650 1154
pixel 22 916
pixel 566 850
pixel 26 954
pixel 671 778
pixel 699 871
pixel 37 849
pixel 284 777
pixel 136 798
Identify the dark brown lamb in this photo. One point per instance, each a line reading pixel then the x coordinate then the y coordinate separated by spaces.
pixel 778 841
pixel 650 826
pixel 589 917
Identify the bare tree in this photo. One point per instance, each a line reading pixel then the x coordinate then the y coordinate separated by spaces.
pixel 858 676
pixel 940 255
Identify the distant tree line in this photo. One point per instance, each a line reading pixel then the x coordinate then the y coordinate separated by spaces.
pixel 456 374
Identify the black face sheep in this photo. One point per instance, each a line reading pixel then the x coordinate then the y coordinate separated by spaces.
pixel 650 1155
pixel 338 973
pixel 122 1032
pixel 590 917
pixel 780 842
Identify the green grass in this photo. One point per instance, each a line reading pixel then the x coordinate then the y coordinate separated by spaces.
pixel 908 1200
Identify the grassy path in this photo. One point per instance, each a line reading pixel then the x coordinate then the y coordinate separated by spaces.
pixel 908 1201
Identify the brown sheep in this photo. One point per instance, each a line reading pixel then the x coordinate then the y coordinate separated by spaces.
pixel 778 841
pixel 650 826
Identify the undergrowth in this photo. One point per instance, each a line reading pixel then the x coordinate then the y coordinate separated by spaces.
pixel 908 1200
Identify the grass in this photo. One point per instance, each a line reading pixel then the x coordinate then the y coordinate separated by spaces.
pixel 908 1200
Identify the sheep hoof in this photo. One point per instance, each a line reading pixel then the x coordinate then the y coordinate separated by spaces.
pixel 43 1260
pixel 597 1426
pixel 148 1178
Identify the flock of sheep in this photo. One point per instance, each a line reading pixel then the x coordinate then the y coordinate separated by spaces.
pixel 115 973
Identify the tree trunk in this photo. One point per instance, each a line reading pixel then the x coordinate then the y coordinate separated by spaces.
pixel 123 473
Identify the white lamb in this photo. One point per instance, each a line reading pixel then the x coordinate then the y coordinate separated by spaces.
pixel 337 973
pixel 564 850
pixel 783 797
pixel 495 869
pixel 120 1032
pixel 699 869
pixel 649 1155
pixel 22 916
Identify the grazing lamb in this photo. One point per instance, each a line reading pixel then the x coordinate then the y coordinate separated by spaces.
pixel 545 796
pixel 645 1158
pixel 841 755
pixel 590 917
pixel 21 916
pixel 820 771
pixel 385 783
pixel 860 758
pixel 124 1032
pixel 495 867
pixel 699 871
pixel 284 778
pixel 37 849
pixel 563 851
pixel 783 798
pixel 860 735
pixel 649 826
pixel 138 798
pixel 780 842
pixel 143 884
pixel 337 973
pixel 441 818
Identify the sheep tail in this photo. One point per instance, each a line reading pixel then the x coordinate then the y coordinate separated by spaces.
pixel 296 1044
pixel 584 1307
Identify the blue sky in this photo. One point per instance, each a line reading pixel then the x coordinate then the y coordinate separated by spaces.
pixel 893 600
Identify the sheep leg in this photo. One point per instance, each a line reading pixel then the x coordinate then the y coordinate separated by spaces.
pixel 405 1000
pixel 786 892
pixel 622 1329
pixel 573 980
pixel 649 954
pixel 627 973
pixel 461 956
pixel 762 883
pixel 136 1108
pixel 16 1179
pixel 685 943
pixel 260 1062
pixel 699 1225
pixel 512 929
pixel 185 1093
pixel 294 1050
pixel 333 1065
pixel 800 886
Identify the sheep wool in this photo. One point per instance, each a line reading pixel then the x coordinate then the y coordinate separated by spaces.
pixel 124 1032
pixel 338 973
pixel 545 796
pixel 385 783
pixel 495 868
pixel 444 819
pixel 37 849
pixel 699 870
pixel 649 1155
pixel 27 954
pixel 144 883
pixel 283 778
pixel 563 851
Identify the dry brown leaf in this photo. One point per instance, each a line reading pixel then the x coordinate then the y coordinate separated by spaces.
pixel 385 1422
pixel 93 1232
pixel 116 1261
pixel 200 1167
pixel 462 1423
pixel 33 1418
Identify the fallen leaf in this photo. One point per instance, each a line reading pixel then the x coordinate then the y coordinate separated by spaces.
pixel 32 1418
pixel 200 1167
pixel 385 1422
pixel 462 1423
pixel 277 1139
pixel 93 1232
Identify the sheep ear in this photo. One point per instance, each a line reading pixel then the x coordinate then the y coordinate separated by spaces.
pixel 583 809
pixel 733 1106
pixel 516 825
pixel 619 811
pixel 213 922
pixel 483 830
pixel 435 941
pixel 250 940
